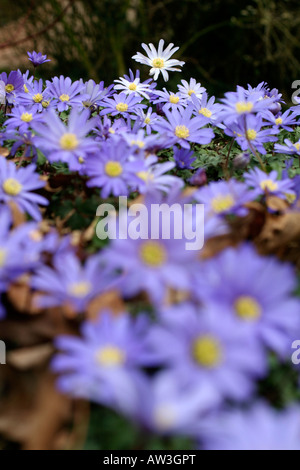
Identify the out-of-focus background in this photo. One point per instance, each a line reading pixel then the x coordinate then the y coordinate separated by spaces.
pixel 223 42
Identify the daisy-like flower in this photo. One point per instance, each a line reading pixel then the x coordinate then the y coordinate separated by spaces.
pixel 102 363
pixel 205 346
pixel 17 184
pixel 112 170
pixel 159 60
pixel 66 94
pixel 170 100
pixel 132 84
pixel 22 118
pixel 181 128
pixel 34 95
pixel 284 121
pixel 263 183
pixel 122 104
pixel 168 405
pixel 289 148
pixel 147 118
pixel 37 58
pixel 206 107
pixel 249 134
pixel 241 103
pixel 63 143
pixel 256 292
pixel 13 84
pixel 192 88
pixel 152 264
pixel 71 283
pixel 224 197
pixel 260 427
pixel 94 93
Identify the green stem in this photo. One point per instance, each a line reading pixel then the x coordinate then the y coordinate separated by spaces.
pixel 227 176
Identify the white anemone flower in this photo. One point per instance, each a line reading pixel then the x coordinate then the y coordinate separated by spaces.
pixel 133 87
pixel 159 60
pixel 187 89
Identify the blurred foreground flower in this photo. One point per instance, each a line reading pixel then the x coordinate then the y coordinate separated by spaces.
pixel 16 185
pixel 259 428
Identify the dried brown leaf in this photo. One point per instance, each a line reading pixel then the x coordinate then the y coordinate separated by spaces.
pixel 276 204
pixel 4 152
pixel 27 358
pixel 279 232
pixel 110 300
pixel 18 217
pixel 23 298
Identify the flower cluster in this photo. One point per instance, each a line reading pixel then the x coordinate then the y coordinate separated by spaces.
pixel 194 330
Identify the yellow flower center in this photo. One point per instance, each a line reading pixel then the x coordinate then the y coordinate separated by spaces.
pixel 38 98
pixel 247 308
pixel 139 143
pixel 182 132
pixel 64 97
pixel 190 92
pixel 80 159
pixel 206 112
pixel 45 104
pixel 290 197
pixel 251 134
pixel 243 107
pixel 297 146
pixel 121 107
pixel 111 130
pixel 110 356
pixel 158 63
pixel 222 203
pixel 145 175
pixel 278 121
pixel 269 184
pixel 9 88
pixel 207 351
pixel 25 88
pixel 26 117
pixel 68 141
pixel 113 169
pixel 147 120
pixel 132 86
pixel 12 187
pixel 174 99
pixel 2 257
pixel 80 289
pixel 153 253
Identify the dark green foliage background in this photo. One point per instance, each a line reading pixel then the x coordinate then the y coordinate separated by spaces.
pixel 223 42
